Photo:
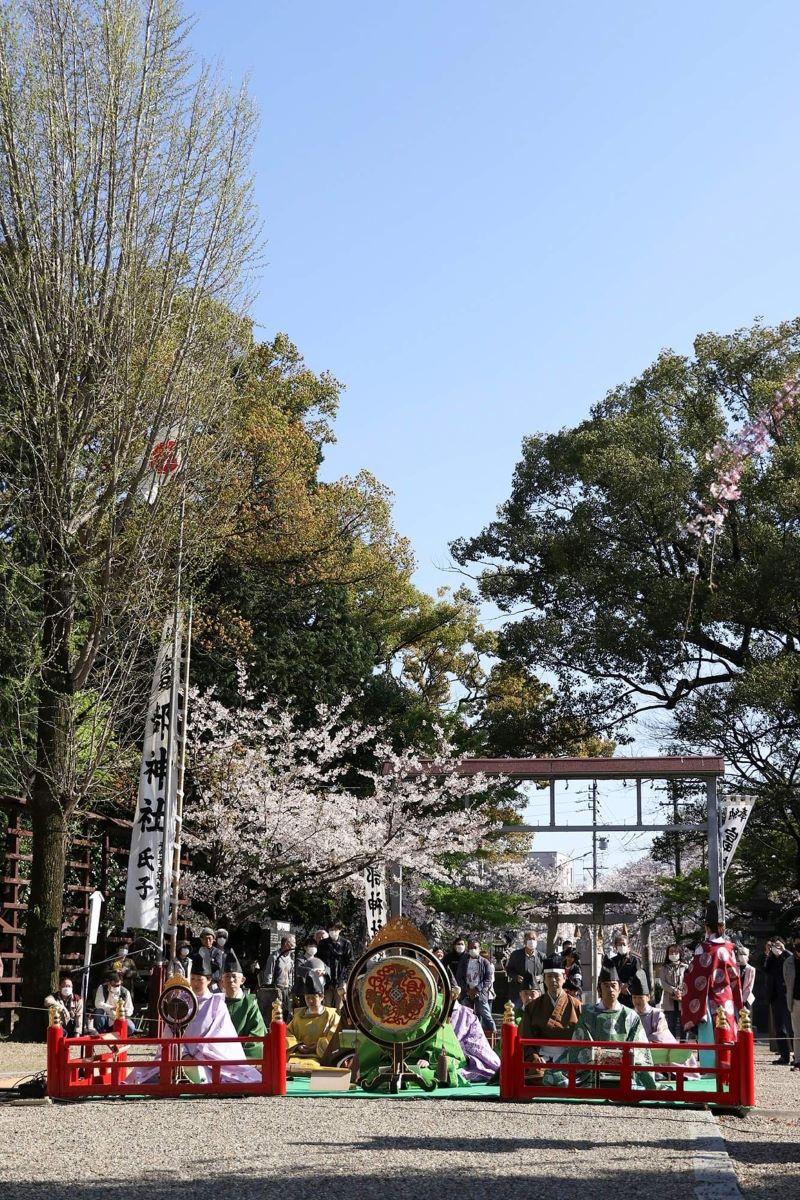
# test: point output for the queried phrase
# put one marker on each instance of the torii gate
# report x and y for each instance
(709, 769)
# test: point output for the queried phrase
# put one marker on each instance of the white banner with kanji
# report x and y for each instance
(734, 818)
(149, 845)
(375, 898)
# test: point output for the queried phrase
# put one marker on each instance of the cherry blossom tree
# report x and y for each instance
(277, 807)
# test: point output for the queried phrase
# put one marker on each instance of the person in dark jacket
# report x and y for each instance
(626, 964)
(775, 955)
(475, 977)
(309, 963)
(525, 958)
(573, 981)
(336, 952)
(457, 952)
(212, 956)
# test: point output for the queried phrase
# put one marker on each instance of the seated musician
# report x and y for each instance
(482, 1063)
(610, 1021)
(242, 1006)
(437, 1062)
(654, 1021)
(211, 1020)
(555, 1013)
(311, 1028)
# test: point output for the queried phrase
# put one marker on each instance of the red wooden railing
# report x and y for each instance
(78, 1068)
(733, 1072)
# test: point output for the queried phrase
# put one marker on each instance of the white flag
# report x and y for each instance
(735, 817)
(375, 893)
(153, 833)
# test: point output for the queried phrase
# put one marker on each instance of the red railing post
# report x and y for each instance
(510, 1052)
(745, 1054)
(55, 1041)
(275, 1058)
(724, 1038)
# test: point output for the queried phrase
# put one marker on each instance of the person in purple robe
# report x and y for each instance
(482, 1062)
(211, 1020)
(654, 1021)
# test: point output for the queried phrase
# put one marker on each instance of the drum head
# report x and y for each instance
(176, 1006)
(397, 996)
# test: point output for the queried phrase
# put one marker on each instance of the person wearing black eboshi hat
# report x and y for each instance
(311, 1028)
(553, 1014)
(242, 1006)
(610, 1021)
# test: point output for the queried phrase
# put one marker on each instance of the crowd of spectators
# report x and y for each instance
(325, 957)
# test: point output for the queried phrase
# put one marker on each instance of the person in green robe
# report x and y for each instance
(610, 1021)
(242, 1006)
(439, 1060)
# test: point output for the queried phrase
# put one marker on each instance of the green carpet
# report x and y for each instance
(476, 1091)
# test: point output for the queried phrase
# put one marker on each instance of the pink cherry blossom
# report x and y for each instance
(278, 806)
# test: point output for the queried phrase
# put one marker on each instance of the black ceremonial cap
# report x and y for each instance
(553, 962)
(231, 962)
(608, 974)
(313, 985)
(639, 985)
(199, 967)
(712, 915)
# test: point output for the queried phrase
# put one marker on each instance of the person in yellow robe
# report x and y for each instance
(310, 1030)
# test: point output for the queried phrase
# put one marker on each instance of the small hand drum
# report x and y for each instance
(177, 1004)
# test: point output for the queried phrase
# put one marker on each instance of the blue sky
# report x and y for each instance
(480, 216)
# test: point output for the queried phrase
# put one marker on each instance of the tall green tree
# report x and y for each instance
(126, 238)
(624, 606)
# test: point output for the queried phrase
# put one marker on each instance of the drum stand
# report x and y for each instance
(400, 1071)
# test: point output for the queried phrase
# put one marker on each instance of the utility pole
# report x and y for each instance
(677, 836)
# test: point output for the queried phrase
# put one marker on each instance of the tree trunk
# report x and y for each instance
(42, 945)
(49, 807)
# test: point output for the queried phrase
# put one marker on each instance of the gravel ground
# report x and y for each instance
(298, 1149)
(765, 1145)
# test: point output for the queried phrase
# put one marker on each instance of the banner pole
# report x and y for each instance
(164, 887)
(176, 861)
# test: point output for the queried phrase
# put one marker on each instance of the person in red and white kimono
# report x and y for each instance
(711, 982)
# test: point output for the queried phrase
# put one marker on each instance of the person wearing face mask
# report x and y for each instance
(309, 963)
(526, 958)
(672, 973)
(106, 1001)
(336, 952)
(212, 956)
(278, 975)
(626, 964)
(791, 979)
(775, 955)
(475, 977)
(454, 956)
(747, 974)
(181, 964)
(69, 1005)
